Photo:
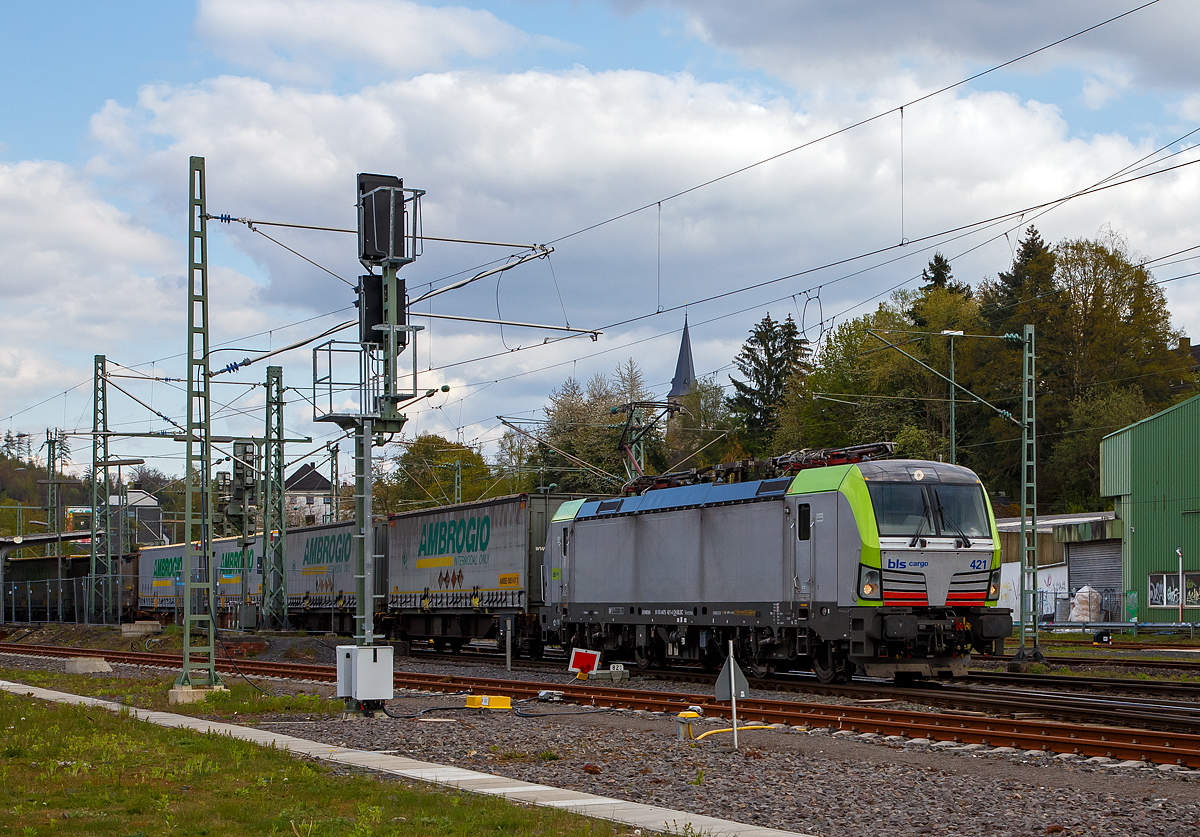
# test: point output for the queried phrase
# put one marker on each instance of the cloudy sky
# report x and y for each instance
(533, 122)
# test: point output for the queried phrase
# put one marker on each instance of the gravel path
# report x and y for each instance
(811, 782)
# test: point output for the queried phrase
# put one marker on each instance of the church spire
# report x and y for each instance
(685, 372)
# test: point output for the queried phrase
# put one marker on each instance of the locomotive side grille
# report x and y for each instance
(904, 589)
(969, 588)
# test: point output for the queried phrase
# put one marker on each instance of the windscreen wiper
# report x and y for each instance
(924, 519)
(950, 521)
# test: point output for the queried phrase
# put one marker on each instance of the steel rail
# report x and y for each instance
(1111, 662)
(1084, 740)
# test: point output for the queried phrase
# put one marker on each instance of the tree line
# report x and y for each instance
(1107, 356)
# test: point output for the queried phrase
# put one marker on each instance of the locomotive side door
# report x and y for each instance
(800, 532)
(560, 565)
(822, 546)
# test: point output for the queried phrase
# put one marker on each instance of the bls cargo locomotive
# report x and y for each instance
(889, 567)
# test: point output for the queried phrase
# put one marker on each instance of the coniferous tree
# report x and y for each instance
(773, 356)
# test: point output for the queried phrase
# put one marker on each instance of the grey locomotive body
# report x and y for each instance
(791, 570)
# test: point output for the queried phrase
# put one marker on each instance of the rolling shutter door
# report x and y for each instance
(1096, 564)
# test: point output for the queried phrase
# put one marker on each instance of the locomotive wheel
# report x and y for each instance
(823, 668)
(642, 657)
(830, 667)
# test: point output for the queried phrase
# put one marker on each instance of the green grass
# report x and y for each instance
(242, 701)
(87, 771)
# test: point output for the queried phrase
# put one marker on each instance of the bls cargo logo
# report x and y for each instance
(897, 564)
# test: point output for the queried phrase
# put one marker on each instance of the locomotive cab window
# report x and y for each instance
(907, 509)
(566, 536)
(803, 522)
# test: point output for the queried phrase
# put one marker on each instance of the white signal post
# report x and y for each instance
(1179, 553)
(733, 695)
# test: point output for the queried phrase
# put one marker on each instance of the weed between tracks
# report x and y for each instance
(90, 772)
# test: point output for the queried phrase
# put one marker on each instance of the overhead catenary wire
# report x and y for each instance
(233, 367)
(857, 124)
(963, 228)
(1031, 53)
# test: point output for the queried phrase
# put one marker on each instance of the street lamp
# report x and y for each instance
(953, 394)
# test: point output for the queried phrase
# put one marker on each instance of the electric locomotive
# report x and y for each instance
(890, 567)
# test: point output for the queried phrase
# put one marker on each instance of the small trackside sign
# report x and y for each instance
(584, 660)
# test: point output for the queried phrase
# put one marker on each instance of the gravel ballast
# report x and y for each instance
(809, 781)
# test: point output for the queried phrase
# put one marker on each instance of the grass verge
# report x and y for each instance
(241, 702)
(91, 772)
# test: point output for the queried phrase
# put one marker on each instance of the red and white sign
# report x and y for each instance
(584, 660)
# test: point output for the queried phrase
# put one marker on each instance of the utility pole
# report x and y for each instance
(457, 481)
(274, 593)
(199, 574)
(388, 223)
(99, 597)
(52, 466)
(53, 451)
(953, 393)
(335, 492)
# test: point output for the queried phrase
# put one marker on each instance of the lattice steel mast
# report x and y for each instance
(274, 593)
(100, 606)
(199, 572)
(1029, 559)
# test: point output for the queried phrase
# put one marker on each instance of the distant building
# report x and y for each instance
(1151, 469)
(143, 521)
(307, 497)
(1193, 366)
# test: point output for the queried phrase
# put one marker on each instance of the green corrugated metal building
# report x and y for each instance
(1152, 471)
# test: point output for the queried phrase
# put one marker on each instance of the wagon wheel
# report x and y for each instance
(642, 657)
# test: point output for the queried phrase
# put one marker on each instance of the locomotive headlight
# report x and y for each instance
(994, 586)
(869, 583)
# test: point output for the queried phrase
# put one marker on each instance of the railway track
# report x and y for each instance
(1164, 747)
(1024, 695)
(1109, 662)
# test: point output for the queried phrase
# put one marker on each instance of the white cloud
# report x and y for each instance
(840, 46)
(1188, 108)
(1100, 90)
(530, 156)
(305, 40)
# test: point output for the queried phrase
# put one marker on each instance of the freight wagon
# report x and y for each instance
(457, 573)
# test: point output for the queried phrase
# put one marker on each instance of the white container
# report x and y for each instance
(365, 673)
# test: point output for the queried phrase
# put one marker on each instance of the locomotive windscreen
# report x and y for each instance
(907, 509)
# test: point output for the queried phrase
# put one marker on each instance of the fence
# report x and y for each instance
(48, 600)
